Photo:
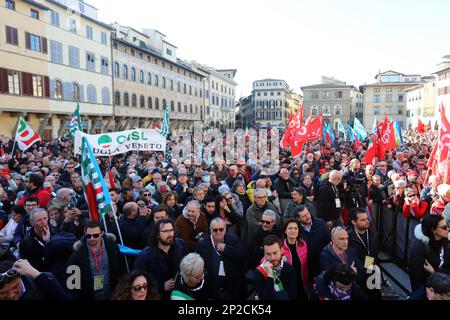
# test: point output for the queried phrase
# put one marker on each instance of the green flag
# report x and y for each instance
(75, 122)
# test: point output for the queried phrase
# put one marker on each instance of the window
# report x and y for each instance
(104, 38)
(89, 32)
(157, 103)
(117, 98)
(36, 43)
(10, 4)
(142, 102)
(338, 94)
(337, 110)
(171, 84)
(201, 93)
(179, 106)
(56, 53)
(11, 36)
(400, 110)
(116, 70)
(376, 90)
(400, 98)
(124, 72)
(55, 18)
(149, 78)
(190, 108)
(172, 106)
(315, 110)
(74, 57)
(106, 98)
(376, 110)
(34, 14)
(388, 89)
(133, 74)
(58, 90)
(13, 82)
(90, 61)
(73, 26)
(389, 98)
(37, 86)
(164, 103)
(196, 109)
(141, 76)
(156, 80)
(75, 92)
(376, 98)
(185, 108)
(168, 52)
(184, 88)
(134, 100)
(164, 82)
(326, 110)
(178, 87)
(150, 103)
(91, 94)
(126, 99)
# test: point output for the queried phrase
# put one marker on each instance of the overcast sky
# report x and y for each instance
(296, 40)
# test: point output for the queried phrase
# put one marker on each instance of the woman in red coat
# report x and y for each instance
(413, 206)
(295, 252)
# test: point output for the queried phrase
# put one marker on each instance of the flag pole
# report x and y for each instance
(120, 235)
(14, 144)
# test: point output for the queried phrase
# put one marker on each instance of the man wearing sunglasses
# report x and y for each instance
(225, 256)
(97, 256)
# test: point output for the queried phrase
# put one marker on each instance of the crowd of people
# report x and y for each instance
(304, 230)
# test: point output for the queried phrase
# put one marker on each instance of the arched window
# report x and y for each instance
(126, 99)
(117, 98)
(201, 93)
(190, 90)
(91, 94)
(184, 88)
(185, 108)
(75, 91)
(337, 110)
(326, 110)
(190, 108)
(156, 80)
(149, 78)
(133, 74)
(157, 103)
(141, 76)
(172, 106)
(125, 72)
(58, 90)
(150, 103)
(314, 110)
(171, 84)
(106, 98)
(116, 69)
(134, 100)
(196, 109)
(164, 82)
(178, 87)
(142, 102)
(179, 106)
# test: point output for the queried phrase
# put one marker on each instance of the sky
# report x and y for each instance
(296, 40)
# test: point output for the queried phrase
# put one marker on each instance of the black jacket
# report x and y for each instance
(284, 188)
(234, 260)
(317, 238)
(361, 251)
(326, 202)
(32, 248)
(323, 292)
(265, 286)
(80, 258)
(133, 232)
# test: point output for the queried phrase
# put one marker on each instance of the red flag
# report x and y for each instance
(294, 124)
(383, 125)
(357, 143)
(388, 138)
(444, 145)
(291, 115)
(420, 127)
(431, 165)
(315, 129)
(370, 154)
(299, 138)
(112, 184)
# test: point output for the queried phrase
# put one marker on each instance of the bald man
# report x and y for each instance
(330, 200)
(338, 252)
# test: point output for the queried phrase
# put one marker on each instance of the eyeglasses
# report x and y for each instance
(336, 229)
(228, 199)
(138, 288)
(443, 227)
(217, 230)
(94, 235)
(411, 195)
(266, 222)
(11, 273)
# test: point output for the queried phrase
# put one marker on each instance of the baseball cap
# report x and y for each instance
(137, 179)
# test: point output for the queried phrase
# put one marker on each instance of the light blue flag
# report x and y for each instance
(342, 129)
(351, 132)
(359, 129)
(398, 133)
(330, 131)
(374, 126)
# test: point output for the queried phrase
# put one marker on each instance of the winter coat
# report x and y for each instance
(302, 252)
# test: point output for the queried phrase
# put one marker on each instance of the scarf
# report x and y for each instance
(339, 294)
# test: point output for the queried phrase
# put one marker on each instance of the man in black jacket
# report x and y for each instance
(225, 258)
(97, 257)
(275, 279)
(163, 256)
(329, 200)
(284, 186)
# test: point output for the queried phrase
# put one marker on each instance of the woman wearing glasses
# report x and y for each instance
(137, 285)
(413, 206)
(430, 251)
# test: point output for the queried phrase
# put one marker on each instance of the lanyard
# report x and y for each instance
(335, 191)
(363, 243)
(98, 260)
(441, 257)
(214, 246)
(338, 255)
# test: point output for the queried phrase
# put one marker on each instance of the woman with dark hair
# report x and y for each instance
(430, 252)
(226, 212)
(339, 284)
(170, 199)
(240, 190)
(295, 250)
(136, 285)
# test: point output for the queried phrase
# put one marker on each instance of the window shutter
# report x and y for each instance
(67, 91)
(81, 93)
(3, 80)
(9, 35)
(46, 87)
(52, 89)
(44, 45)
(15, 37)
(27, 84)
(28, 40)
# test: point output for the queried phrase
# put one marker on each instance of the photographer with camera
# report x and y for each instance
(191, 225)
(355, 190)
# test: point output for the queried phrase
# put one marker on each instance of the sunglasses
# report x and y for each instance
(138, 288)
(217, 230)
(411, 195)
(266, 222)
(94, 235)
(8, 275)
(443, 227)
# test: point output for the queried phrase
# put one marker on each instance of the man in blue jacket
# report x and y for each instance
(163, 256)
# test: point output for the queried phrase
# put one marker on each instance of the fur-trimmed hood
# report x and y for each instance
(420, 236)
(79, 244)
